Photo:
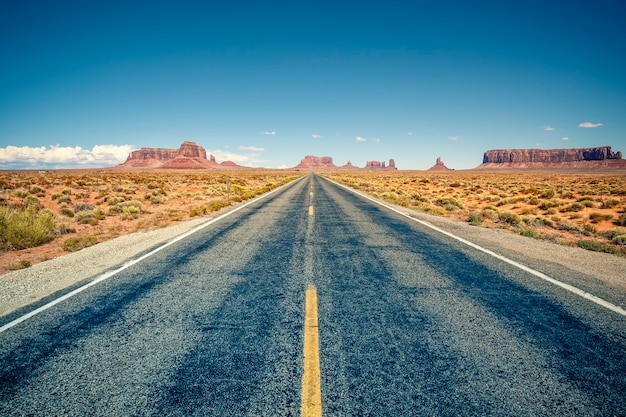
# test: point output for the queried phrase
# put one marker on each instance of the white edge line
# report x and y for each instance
(132, 262)
(600, 301)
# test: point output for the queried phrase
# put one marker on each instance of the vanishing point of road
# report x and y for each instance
(314, 300)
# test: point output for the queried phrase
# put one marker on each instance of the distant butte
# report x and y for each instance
(188, 157)
(576, 158)
(312, 162)
(439, 166)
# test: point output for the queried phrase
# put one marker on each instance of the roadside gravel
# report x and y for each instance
(22, 287)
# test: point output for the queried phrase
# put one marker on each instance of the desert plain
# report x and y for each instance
(44, 215)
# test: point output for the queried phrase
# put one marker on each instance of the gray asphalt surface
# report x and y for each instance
(411, 323)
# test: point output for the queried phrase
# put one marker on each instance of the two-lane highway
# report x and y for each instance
(404, 321)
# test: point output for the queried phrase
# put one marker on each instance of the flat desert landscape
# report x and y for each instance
(44, 215)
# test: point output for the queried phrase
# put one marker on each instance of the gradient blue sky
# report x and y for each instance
(266, 83)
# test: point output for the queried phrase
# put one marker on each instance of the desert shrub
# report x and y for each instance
(546, 205)
(83, 207)
(22, 264)
(589, 230)
(390, 197)
(248, 195)
(616, 231)
(37, 190)
(113, 200)
(619, 240)
(529, 233)
(157, 199)
(538, 221)
(547, 194)
(66, 211)
(128, 209)
(113, 210)
(490, 213)
(534, 201)
(475, 218)
(509, 218)
(610, 203)
(529, 210)
(598, 217)
(568, 227)
(545, 221)
(64, 199)
(74, 244)
(25, 228)
(492, 198)
(130, 213)
(89, 216)
(197, 211)
(504, 202)
(31, 200)
(449, 203)
(592, 245)
(621, 220)
(216, 205)
(575, 207)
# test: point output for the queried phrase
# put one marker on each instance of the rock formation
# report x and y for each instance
(439, 166)
(188, 156)
(593, 158)
(316, 162)
(378, 165)
(326, 162)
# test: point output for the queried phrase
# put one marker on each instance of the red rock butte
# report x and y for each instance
(576, 158)
(439, 166)
(189, 156)
(313, 163)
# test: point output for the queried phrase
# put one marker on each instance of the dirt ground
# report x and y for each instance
(565, 208)
(560, 207)
(106, 204)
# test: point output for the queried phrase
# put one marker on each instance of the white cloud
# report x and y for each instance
(565, 138)
(251, 148)
(548, 128)
(590, 125)
(377, 140)
(453, 137)
(315, 136)
(360, 139)
(410, 133)
(26, 157)
(270, 133)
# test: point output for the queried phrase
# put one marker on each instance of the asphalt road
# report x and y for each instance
(411, 322)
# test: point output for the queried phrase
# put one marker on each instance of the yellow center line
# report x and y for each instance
(310, 210)
(311, 379)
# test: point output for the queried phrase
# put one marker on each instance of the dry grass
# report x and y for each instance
(101, 205)
(585, 210)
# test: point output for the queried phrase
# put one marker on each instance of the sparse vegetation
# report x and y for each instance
(74, 244)
(555, 207)
(35, 209)
(22, 228)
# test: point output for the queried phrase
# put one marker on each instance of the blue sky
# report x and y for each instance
(266, 83)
